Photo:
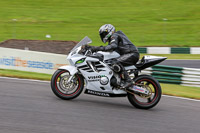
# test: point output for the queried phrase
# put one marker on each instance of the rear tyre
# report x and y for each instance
(65, 90)
(146, 102)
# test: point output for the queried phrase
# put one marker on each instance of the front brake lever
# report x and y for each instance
(88, 52)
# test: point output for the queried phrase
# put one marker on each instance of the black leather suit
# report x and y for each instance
(129, 54)
(120, 43)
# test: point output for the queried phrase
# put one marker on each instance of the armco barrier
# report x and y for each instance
(169, 50)
(175, 75)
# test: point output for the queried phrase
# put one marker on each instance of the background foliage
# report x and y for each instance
(146, 22)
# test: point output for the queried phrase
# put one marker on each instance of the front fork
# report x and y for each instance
(70, 78)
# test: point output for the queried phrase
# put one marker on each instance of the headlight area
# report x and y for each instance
(71, 62)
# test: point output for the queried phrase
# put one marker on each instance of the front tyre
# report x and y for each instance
(146, 102)
(62, 88)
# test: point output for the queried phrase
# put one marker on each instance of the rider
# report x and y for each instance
(119, 42)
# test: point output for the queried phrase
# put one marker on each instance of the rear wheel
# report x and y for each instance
(63, 89)
(146, 101)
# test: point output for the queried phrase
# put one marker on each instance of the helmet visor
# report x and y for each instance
(102, 35)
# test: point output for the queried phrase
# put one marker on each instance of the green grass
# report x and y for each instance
(142, 21)
(182, 91)
(24, 74)
(169, 89)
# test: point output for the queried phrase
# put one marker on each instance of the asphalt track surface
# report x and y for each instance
(182, 63)
(30, 107)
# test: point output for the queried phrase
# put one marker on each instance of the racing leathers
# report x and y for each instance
(129, 54)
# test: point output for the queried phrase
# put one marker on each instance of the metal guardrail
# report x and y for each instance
(175, 75)
(169, 50)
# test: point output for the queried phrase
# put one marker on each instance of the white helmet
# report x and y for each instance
(106, 31)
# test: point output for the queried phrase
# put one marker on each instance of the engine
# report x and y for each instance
(114, 82)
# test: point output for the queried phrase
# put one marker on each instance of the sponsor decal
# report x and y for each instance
(97, 93)
(104, 80)
(138, 88)
(95, 78)
(18, 62)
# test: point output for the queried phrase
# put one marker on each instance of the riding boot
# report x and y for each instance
(118, 67)
(127, 80)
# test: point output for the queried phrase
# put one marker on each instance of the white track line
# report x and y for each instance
(33, 80)
(182, 98)
(49, 82)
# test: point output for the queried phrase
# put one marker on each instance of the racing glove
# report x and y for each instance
(95, 49)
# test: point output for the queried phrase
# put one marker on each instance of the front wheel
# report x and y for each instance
(64, 89)
(142, 101)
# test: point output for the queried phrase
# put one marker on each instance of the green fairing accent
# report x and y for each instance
(80, 61)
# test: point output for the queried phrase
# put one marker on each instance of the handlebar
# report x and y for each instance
(85, 50)
(88, 52)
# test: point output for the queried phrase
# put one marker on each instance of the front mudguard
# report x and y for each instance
(71, 69)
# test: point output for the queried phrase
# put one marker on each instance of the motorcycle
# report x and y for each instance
(93, 73)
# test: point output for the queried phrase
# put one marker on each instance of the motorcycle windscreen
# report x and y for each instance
(84, 41)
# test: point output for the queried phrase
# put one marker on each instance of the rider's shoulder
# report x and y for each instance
(115, 35)
(118, 33)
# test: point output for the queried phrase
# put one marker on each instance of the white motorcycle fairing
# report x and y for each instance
(97, 77)
(97, 74)
(71, 69)
(96, 70)
(94, 73)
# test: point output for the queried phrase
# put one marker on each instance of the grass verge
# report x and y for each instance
(182, 91)
(168, 89)
(145, 22)
(23, 74)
